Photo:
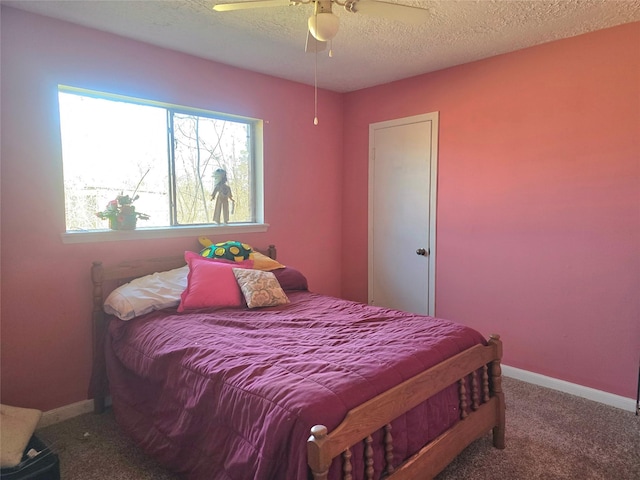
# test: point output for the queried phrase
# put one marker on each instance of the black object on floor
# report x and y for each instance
(43, 466)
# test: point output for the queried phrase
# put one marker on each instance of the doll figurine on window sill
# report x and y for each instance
(222, 196)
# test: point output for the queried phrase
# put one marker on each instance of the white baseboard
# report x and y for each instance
(599, 396)
(65, 413)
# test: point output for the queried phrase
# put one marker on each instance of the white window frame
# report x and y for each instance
(146, 233)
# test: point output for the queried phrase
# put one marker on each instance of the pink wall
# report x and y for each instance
(538, 223)
(46, 299)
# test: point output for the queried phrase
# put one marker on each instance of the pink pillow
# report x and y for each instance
(211, 283)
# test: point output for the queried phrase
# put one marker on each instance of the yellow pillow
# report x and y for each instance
(264, 263)
(18, 425)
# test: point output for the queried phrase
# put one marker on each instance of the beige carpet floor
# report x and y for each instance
(550, 436)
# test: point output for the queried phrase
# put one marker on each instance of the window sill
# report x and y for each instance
(93, 236)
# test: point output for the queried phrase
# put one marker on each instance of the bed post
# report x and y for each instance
(496, 388)
(316, 455)
(98, 375)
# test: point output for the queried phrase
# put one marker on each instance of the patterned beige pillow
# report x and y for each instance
(260, 288)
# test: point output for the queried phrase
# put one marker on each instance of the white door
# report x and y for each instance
(402, 208)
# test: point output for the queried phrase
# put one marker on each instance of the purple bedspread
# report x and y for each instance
(233, 393)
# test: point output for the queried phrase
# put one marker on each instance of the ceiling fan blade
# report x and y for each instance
(314, 45)
(226, 7)
(394, 11)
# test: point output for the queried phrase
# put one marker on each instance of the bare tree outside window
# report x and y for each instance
(203, 145)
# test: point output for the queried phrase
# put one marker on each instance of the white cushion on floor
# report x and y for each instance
(16, 428)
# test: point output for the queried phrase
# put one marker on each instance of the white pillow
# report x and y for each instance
(145, 294)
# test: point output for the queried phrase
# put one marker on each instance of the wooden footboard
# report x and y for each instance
(481, 410)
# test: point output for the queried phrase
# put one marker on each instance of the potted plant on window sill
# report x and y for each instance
(122, 214)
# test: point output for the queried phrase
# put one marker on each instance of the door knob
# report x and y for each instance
(423, 252)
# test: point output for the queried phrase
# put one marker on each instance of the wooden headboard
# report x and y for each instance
(114, 276)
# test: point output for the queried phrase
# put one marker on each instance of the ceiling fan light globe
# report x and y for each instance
(324, 26)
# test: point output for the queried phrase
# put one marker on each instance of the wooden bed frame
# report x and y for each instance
(481, 410)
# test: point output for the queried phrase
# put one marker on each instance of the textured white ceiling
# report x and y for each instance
(367, 51)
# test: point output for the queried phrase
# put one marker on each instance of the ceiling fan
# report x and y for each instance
(323, 23)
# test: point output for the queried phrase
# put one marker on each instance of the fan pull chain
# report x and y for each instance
(315, 87)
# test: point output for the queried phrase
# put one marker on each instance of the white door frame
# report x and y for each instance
(433, 117)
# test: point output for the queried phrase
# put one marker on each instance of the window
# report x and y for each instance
(163, 157)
